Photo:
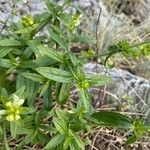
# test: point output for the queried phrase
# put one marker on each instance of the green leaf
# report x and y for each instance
(61, 41)
(42, 138)
(113, 119)
(139, 127)
(74, 146)
(31, 88)
(58, 30)
(4, 92)
(67, 2)
(53, 54)
(79, 142)
(6, 63)
(4, 51)
(13, 129)
(33, 45)
(84, 38)
(44, 88)
(5, 146)
(44, 61)
(31, 91)
(66, 18)
(131, 139)
(9, 42)
(55, 74)
(1, 133)
(47, 96)
(55, 141)
(27, 53)
(20, 91)
(27, 110)
(85, 100)
(4, 99)
(20, 81)
(34, 77)
(67, 142)
(52, 7)
(60, 126)
(75, 61)
(98, 80)
(62, 116)
(2, 79)
(64, 93)
(11, 70)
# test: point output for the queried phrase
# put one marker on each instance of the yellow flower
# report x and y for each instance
(17, 117)
(12, 111)
(10, 117)
(27, 20)
(9, 104)
(83, 85)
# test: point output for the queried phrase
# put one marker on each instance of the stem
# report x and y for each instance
(6, 146)
(142, 43)
(70, 41)
(97, 26)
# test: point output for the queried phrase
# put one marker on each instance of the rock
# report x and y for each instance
(126, 89)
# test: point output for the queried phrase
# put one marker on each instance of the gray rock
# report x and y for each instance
(126, 89)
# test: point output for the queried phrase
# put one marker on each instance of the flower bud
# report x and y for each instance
(10, 117)
(85, 84)
(17, 117)
(27, 20)
(17, 112)
(8, 104)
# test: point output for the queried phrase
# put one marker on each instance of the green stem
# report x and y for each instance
(6, 146)
(142, 43)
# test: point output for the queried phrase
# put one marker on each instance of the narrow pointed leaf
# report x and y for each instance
(13, 129)
(55, 74)
(9, 42)
(4, 51)
(60, 126)
(113, 119)
(79, 142)
(98, 80)
(61, 41)
(85, 99)
(53, 54)
(6, 63)
(34, 77)
(64, 93)
(55, 141)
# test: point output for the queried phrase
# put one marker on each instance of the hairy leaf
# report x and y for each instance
(9, 42)
(113, 119)
(58, 56)
(98, 80)
(55, 74)
(34, 77)
(4, 51)
(55, 141)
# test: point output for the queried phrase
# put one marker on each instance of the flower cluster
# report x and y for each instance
(83, 84)
(13, 109)
(76, 20)
(27, 21)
